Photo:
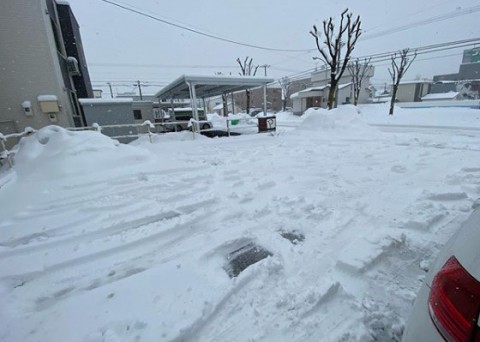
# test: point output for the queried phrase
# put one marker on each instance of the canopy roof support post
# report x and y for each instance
(193, 100)
(204, 106)
(172, 113)
(265, 100)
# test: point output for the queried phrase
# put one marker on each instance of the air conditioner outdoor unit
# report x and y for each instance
(72, 66)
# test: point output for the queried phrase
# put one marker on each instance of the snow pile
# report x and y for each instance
(287, 117)
(344, 120)
(167, 137)
(56, 152)
(265, 237)
(216, 120)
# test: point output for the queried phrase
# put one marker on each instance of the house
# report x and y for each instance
(317, 94)
(413, 91)
(43, 66)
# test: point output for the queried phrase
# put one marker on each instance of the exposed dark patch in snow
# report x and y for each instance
(243, 257)
(448, 196)
(293, 236)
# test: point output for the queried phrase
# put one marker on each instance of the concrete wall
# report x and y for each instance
(29, 65)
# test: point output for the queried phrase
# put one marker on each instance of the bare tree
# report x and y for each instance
(335, 43)
(248, 69)
(398, 70)
(358, 72)
(285, 83)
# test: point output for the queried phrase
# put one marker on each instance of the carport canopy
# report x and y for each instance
(209, 86)
(194, 87)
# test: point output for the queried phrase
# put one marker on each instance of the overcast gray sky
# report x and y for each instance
(121, 46)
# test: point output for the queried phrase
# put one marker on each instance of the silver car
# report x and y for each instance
(447, 307)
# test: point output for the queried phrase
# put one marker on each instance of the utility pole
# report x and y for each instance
(265, 66)
(140, 90)
(111, 91)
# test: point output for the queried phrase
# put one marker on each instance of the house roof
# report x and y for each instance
(306, 92)
(208, 86)
(416, 81)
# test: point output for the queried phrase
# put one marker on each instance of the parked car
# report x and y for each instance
(178, 119)
(447, 307)
(255, 111)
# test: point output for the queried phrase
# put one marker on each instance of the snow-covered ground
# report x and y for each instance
(107, 242)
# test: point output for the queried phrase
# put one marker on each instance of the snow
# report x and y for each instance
(103, 101)
(101, 241)
(43, 98)
(441, 96)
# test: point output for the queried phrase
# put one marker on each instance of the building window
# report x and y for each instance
(137, 114)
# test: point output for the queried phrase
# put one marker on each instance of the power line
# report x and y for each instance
(200, 32)
(427, 21)
(412, 14)
(386, 56)
(184, 66)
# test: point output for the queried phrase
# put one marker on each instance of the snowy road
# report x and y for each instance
(104, 243)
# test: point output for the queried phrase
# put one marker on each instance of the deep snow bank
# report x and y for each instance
(344, 120)
(56, 152)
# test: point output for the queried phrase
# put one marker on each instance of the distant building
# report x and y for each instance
(110, 111)
(43, 67)
(413, 91)
(274, 98)
(466, 82)
(316, 94)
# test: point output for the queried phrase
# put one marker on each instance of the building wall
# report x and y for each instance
(274, 98)
(32, 63)
(111, 113)
(412, 92)
(406, 92)
(146, 109)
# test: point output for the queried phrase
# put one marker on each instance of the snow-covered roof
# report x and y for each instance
(42, 98)
(341, 86)
(441, 96)
(104, 101)
(305, 92)
(308, 90)
(416, 81)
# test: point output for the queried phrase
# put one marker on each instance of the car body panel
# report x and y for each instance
(465, 246)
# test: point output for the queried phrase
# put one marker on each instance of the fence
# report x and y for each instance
(150, 129)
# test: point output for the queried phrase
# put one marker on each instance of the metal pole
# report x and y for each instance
(140, 90)
(173, 113)
(193, 101)
(111, 91)
(265, 100)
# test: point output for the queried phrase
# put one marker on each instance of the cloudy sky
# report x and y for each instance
(122, 47)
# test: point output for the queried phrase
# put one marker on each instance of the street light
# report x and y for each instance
(324, 65)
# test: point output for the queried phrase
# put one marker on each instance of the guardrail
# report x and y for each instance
(5, 154)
